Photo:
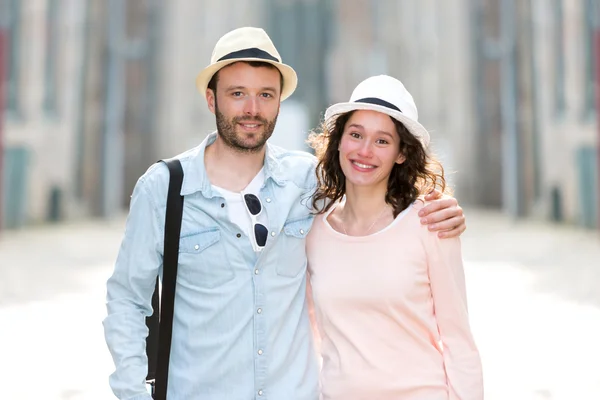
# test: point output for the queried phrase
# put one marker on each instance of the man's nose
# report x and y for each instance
(252, 106)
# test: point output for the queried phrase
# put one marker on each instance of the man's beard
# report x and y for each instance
(227, 131)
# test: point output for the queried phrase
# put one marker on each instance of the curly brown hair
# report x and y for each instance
(419, 174)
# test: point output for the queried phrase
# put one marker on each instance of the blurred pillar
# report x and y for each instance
(532, 77)
(510, 143)
(150, 105)
(316, 40)
(596, 55)
(487, 82)
(478, 84)
(301, 30)
(112, 137)
(3, 62)
(527, 140)
(82, 71)
(140, 54)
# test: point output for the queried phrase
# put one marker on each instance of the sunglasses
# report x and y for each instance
(254, 207)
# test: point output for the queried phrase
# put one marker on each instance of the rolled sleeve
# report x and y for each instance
(129, 293)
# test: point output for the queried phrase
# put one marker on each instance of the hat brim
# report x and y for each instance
(290, 79)
(415, 128)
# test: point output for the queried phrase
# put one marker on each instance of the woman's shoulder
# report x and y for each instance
(429, 238)
(411, 213)
(413, 220)
(318, 224)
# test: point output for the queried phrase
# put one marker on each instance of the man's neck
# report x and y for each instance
(230, 169)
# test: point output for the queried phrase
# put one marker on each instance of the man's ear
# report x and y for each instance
(211, 99)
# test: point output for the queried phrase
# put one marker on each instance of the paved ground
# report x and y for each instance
(535, 308)
(533, 295)
(51, 310)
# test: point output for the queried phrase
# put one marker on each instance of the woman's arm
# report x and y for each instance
(312, 316)
(461, 357)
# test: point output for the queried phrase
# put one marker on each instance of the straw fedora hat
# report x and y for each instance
(247, 44)
(387, 95)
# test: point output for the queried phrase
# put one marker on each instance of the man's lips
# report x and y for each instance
(250, 126)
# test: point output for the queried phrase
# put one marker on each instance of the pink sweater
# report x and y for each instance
(391, 314)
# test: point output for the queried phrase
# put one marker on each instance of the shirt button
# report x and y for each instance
(268, 199)
(196, 247)
(259, 311)
(260, 352)
(239, 235)
(260, 392)
(222, 205)
(273, 233)
(256, 271)
(302, 231)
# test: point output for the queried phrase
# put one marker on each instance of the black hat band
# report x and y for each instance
(379, 102)
(249, 53)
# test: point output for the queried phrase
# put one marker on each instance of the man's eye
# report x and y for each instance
(267, 95)
(237, 94)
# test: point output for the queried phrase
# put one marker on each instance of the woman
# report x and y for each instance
(390, 307)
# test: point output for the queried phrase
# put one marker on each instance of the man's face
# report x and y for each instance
(246, 105)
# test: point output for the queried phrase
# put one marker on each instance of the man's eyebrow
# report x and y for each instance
(270, 88)
(235, 88)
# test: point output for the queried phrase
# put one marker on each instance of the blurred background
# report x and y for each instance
(97, 90)
(92, 92)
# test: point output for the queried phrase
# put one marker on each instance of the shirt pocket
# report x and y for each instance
(202, 261)
(292, 259)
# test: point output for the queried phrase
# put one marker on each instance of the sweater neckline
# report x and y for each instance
(395, 222)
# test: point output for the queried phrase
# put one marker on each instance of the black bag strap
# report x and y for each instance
(160, 324)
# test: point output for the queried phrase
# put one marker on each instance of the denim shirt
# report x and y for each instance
(241, 328)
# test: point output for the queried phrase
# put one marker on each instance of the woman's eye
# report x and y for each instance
(355, 135)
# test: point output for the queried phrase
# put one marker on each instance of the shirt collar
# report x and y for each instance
(195, 178)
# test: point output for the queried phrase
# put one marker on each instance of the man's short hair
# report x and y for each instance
(212, 84)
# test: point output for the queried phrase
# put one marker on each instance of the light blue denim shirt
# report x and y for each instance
(241, 329)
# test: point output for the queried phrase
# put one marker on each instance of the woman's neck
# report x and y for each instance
(365, 208)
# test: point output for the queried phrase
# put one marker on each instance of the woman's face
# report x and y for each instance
(369, 149)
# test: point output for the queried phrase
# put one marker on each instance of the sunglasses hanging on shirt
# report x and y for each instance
(260, 232)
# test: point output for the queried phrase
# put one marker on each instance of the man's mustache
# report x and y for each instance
(250, 119)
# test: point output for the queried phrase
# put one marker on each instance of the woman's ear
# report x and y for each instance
(400, 159)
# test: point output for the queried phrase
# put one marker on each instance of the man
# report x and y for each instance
(240, 327)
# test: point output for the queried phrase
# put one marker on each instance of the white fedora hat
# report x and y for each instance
(387, 95)
(247, 44)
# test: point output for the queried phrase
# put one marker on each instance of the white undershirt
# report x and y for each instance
(238, 214)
